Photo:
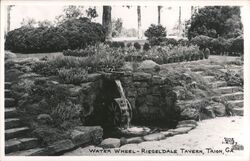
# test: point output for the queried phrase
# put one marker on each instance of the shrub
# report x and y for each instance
(155, 34)
(129, 44)
(66, 111)
(169, 41)
(117, 44)
(31, 40)
(237, 45)
(81, 32)
(146, 47)
(88, 51)
(206, 53)
(202, 41)
(72, 75)
(137, 46)
(74, 33)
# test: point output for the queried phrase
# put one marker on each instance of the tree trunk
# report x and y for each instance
(8, 17)
(179, 23)
(139, 22)
(159, 14)
(106, 21)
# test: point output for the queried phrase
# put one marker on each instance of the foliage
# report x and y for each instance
(206, 53)
(155, 34)
(216, 21)
(146, 47)
(137, 46)
(90, 50)
(66, 111)
(116, 44)
(232, 78)
(233, 46)
(117, 27)
(72, 34)
(72, 75)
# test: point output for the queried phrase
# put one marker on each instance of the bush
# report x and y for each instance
(237, 45)
(169, 41)
(116, 44)
(155, 34)
(88, 51)
(31, 40)
(72, 75)
(206, 53)
(202, 41)
(137, 46)
(146, 47)
(72, 34)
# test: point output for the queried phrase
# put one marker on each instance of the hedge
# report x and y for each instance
(72, 34)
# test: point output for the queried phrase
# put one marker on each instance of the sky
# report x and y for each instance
(169, 15)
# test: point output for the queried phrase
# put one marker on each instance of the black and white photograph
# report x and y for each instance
(124, 79)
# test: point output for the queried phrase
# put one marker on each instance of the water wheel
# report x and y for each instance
(114, 114)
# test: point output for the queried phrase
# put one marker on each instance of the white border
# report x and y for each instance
(246, 25)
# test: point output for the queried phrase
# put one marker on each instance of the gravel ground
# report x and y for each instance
(208, 134)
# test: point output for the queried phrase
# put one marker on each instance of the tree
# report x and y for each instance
(45, 23)
(91, 13)
(29, 22)
(159, 14)
(139, 22)
(117, 27)
(106, 21)
(8, 16)
(216, 21)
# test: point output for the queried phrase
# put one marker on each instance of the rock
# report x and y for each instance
(59, 147)
(149, 65)
(190, 113)
(141, 76)
(29, 75)
(158, 80)
(188, 122)
(186, 125)
(93, 77)
(44, 119)
(219, 109)
(86, 87)
(128, 66)
(154, 137)
(9, 55)
(74, 91)
(84, 135)
(134, 140)
(110, 143)
(207, 113)
(167, 133)
(180, 130)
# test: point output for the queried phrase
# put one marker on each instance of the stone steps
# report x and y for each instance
(237, 103)
(16, 132)
(29, 152)
(199, 72)
(16, 144)
(227, 89)
(238, 111)
(12, 123)
(209, 78)
(218, 84)
(9, 102)
(234, 96)
(10, 112)
(7, 93)
(7, 85)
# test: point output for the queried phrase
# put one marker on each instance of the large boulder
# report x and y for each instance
(149, 65)
(154, 137)
(110, 143)
(9, 55)
(44, 119)
(84, 135)
(219, 109)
